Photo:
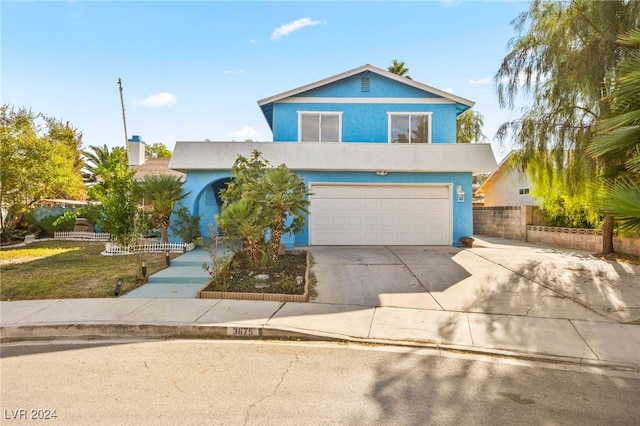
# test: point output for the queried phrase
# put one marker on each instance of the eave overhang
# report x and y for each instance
(357, 157)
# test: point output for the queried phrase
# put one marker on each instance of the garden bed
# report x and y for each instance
(284, 284)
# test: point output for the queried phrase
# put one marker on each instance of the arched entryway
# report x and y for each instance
(208, 204)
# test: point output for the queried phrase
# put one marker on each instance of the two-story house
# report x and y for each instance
(378, 152)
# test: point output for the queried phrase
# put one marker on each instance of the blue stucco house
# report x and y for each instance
(378, 152)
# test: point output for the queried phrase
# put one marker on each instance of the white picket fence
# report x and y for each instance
(149, 247)
(84, 236)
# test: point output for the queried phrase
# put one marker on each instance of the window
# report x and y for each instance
(319, 127)
(410, 128)
(523, 191)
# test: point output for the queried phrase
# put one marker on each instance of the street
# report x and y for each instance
(267, 382)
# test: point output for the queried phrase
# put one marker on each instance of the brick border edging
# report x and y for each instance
(271, 297)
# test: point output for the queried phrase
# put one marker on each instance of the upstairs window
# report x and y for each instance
(410, 127)
(523, 191)
(320, 127)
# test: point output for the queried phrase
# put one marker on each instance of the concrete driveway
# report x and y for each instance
(496, 277)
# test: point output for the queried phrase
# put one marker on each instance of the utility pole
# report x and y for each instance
(124, 119)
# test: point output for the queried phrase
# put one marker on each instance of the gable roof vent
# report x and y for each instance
(365, 84)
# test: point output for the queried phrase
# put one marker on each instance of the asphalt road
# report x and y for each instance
(289, 383)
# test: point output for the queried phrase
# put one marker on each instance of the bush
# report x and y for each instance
(47, 224)
(185, 225)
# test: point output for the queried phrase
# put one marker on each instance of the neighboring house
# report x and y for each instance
(508, 185)
(147, 167)
(377, 151)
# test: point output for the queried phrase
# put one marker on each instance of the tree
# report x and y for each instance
(260, 198)
(162, 192)
(619, 135)
(562, 63)
(469, 127)
(92, 158)
(279, 193)
(398, 68)
(116, 206)
(157, 150)
(39, 160)
(242, 220)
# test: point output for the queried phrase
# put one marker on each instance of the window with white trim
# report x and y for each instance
(410, 127)
(320, 126)
(523, 191)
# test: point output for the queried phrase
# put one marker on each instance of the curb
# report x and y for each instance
(96, 331)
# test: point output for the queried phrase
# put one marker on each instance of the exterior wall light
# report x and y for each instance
(460, 194)
(381, 173)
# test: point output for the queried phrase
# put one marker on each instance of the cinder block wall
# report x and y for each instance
(627, 245)
(581, 239)
(523, 224)
(508, 222)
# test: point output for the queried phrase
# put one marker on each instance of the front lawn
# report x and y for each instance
(69, 269)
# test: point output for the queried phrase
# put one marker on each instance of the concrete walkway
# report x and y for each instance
(183, 279)
(501, 297)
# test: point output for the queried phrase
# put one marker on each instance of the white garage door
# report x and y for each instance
(380, 215)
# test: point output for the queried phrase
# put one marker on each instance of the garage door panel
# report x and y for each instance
(380, 215)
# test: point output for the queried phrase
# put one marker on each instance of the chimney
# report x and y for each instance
(136, 151)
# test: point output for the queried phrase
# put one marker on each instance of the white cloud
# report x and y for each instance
(287, 29)
(247, 132)
(159, 100)
(480, 82)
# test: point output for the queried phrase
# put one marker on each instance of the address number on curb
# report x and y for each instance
(244, 332)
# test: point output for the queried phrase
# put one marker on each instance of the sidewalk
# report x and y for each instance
(597, 341)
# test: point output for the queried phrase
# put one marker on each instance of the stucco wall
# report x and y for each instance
(201, 200)
(504, 190)
(366, 121)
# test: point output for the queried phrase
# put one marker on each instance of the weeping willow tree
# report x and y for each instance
(559, 70)
(469, 127)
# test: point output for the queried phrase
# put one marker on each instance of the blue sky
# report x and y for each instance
(195, 70)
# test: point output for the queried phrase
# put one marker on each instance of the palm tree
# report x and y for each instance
(619, 137)
(398, 68)
(94, 157)
(162, 192)
(279, 193)
(241, 220)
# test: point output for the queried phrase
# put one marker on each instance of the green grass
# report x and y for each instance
(70, 269)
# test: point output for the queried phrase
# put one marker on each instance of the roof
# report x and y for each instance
(267, 104)
(354, 156)
(502, 167)
(155, 167)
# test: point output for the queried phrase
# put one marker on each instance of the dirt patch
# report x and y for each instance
(284, 277)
